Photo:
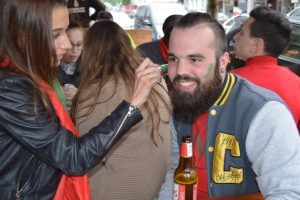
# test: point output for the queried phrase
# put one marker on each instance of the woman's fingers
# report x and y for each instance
(146, 77)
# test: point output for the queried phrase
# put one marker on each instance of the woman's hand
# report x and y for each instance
(146, 76)
(69, 91)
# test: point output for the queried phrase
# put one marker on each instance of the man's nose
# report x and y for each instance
(182, 68)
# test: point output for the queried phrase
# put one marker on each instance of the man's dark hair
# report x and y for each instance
(273, 27)
(168, 26)
(196, 18)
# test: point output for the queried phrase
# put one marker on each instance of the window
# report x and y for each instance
(293, 50)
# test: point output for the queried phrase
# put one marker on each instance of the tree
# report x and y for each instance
(118, 2)
(126, 2)
(212, 8)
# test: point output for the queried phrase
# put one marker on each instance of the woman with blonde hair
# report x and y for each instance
(136, 166)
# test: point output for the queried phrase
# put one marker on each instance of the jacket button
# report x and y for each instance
(213, 112)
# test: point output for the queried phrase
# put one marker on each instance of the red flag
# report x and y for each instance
(70, 187)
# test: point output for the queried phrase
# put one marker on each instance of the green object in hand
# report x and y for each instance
(163, 69)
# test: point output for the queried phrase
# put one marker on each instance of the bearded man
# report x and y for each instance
(244, 137)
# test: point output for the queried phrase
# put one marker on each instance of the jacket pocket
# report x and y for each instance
(25, 175)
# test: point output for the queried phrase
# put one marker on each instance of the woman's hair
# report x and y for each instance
(26, 40)
(107, 55)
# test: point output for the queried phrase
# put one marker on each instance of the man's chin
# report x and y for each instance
(186, 117)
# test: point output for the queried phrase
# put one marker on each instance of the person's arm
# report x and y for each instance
(166, 190)
(97, 5)
(42, 133)
(273, 148)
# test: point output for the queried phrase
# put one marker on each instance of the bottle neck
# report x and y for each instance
(185, 163)
(186, 155)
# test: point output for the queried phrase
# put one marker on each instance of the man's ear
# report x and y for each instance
(258, 46)
(224, 60)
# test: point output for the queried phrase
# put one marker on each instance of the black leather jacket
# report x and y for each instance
(36, 150)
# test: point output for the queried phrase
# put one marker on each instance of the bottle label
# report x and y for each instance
(180, 192)
(186, 150)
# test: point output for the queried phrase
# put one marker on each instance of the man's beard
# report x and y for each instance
(188, 106)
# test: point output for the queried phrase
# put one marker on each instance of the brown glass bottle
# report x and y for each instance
(185, 176)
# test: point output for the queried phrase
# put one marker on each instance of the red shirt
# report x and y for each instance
(199, 138)
(264, 72)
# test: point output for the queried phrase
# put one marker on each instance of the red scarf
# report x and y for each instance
(163, 49)
(70, 187)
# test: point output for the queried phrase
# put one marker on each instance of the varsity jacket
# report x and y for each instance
(252, 144)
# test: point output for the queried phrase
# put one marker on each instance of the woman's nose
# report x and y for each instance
(66, 44)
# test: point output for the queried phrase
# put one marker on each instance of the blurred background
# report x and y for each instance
(149, 15)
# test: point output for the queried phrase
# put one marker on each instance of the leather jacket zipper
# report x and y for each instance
(128, 114)
(19, 179)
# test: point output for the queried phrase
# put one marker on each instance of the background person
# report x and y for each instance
(255, 44)
(105, 15)
(68, 70)
(69, 66)
(39, 144)
(80, 11)
(244, 137)
(143, 156)
(157, 50)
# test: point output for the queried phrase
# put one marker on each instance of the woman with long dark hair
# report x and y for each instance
(41, 155)
(108, 65)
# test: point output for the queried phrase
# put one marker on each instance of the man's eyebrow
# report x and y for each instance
(171, 54)
(190, 56)
(196, 56)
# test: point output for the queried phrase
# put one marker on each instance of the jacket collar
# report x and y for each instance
(229, 82)
(262, 61)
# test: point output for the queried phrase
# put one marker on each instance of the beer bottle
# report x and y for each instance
(185, 176)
